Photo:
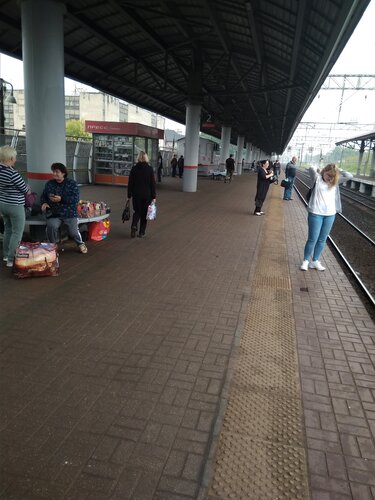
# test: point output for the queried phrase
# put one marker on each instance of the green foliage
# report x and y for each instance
(346, 158)
(76, 129)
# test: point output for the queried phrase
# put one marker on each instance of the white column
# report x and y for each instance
(189, 179)
(239, 156)
(225, 141)
(248, 152)
(43, 63)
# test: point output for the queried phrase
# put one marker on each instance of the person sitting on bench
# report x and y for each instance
(59, 202)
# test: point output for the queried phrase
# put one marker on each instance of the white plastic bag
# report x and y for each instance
(151, 211)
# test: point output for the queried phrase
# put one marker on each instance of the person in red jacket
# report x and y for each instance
(142, 188)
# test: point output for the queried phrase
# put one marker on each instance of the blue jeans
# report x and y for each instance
(319, 228)
(53, 226)
(14, 224)
(288, 191)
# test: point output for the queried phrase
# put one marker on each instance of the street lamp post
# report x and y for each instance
(4, 98)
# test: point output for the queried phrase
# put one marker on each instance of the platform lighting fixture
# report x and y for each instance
(5, 96)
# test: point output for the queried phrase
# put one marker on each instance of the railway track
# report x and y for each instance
(353, 240)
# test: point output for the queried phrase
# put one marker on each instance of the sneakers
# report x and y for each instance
(262, 213)
(5, 259)
(141, 235)
(133, 232)
(316, 265)
(257, 213)
(82, 248)
(304, 265)
(9, 263)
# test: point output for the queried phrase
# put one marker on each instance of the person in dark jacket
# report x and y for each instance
(59, 201)
(160, 167)
(180, 165)
(263, 185)
(142, 188)
(174, 165)
(290, 175)
(229, 165)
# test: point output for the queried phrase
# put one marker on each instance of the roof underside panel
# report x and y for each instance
(255, 65)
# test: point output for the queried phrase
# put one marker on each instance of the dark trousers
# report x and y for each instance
(160, 172)
(140, 206)
(258, 205)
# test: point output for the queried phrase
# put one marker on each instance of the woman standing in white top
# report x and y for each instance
(324, 203)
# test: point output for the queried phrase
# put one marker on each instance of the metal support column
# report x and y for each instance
(248, 152)
(225, 141)
(43, 62)
(360, 157)
(239, 156)
(189, 179)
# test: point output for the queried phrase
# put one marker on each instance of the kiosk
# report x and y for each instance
(116, 146)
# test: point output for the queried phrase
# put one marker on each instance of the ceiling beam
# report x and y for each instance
(129, 54)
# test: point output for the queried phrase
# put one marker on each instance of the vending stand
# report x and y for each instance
(116, 146)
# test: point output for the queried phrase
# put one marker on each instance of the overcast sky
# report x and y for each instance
(357, 58)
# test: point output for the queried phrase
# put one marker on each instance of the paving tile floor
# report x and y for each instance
(336, 350)
(114, 375)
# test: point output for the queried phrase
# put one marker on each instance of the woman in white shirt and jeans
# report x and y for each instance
(323, 205)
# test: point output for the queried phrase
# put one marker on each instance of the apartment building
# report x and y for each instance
(87, 106)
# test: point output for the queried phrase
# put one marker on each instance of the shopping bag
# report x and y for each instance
(99, 230)
(36, 259)
(126, 212)
(151, 211)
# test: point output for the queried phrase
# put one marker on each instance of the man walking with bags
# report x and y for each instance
(229, 164)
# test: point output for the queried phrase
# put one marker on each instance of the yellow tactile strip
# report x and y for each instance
(261, 450)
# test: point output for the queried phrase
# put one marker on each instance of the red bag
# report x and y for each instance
(99, 230)
(36, 259)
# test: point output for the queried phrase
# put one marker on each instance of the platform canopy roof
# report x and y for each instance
(253, 64)
(361, 141)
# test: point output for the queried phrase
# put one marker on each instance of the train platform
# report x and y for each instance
(198, 362)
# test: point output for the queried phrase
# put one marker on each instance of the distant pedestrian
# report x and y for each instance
(290, 175)
(276, 168)
(229, 164)
(174, 165)
(141, 187)
(180, 165)
(323, 205)
(160, 167)
(263, 185)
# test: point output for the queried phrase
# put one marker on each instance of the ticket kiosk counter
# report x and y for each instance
(116, 147)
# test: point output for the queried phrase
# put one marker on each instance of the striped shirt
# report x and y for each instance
(12, 187)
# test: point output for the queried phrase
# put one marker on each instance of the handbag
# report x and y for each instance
(126, 212)
(273, 179)
(30, 199)
(309, 192)
(285, 184)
